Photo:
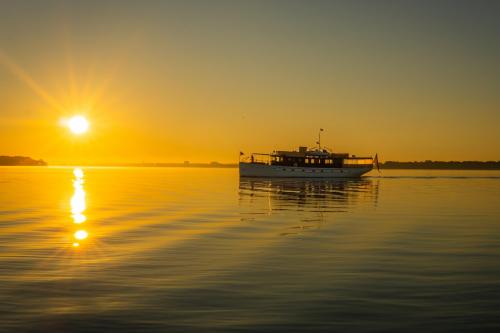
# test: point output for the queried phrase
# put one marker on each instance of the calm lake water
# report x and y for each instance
(199, 250)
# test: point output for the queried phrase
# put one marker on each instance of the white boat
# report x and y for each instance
(305, 163)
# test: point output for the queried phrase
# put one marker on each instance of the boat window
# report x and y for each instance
(358, 161)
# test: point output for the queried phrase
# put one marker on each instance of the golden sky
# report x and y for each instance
(168, 81)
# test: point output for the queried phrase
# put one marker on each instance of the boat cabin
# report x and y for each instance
(318, 158)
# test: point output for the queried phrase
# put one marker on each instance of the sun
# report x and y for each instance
(78, 124)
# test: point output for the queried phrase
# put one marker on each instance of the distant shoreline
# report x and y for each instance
(442, 165)
(159, 165)
(426, 165)
(20, 161)
(418, 165)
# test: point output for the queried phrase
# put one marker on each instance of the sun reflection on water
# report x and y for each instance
(81, 234)
(78, 205)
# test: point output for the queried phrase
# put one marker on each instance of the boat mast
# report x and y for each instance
(319, 138)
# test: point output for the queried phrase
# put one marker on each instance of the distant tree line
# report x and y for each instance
(20, 160)
(470, 165)
(463, 165)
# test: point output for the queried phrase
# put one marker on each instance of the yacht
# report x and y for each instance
(318, 162)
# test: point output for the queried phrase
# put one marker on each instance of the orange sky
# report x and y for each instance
(200, 81)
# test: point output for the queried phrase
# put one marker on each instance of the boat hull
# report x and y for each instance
(276, 171)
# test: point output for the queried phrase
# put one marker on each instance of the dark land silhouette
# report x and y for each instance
(458, 165)
(436, 165)
(21, 161)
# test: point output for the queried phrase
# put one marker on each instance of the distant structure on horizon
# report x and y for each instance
(20, 161)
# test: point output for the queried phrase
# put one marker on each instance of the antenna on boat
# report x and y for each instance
(319, 138)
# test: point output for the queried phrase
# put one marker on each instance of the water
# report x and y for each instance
(198, 250)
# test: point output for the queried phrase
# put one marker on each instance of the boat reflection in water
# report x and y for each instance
(78, 206)
(307, 202)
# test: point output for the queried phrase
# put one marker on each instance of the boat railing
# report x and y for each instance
(256, 158)
(269, 159)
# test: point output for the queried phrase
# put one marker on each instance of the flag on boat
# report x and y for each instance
(242, 153)
(375, 162)
(321, 129)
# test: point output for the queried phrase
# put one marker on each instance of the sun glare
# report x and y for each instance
(81, 234)
(78, 124)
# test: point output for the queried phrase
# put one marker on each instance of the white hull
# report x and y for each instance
(265, 170)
